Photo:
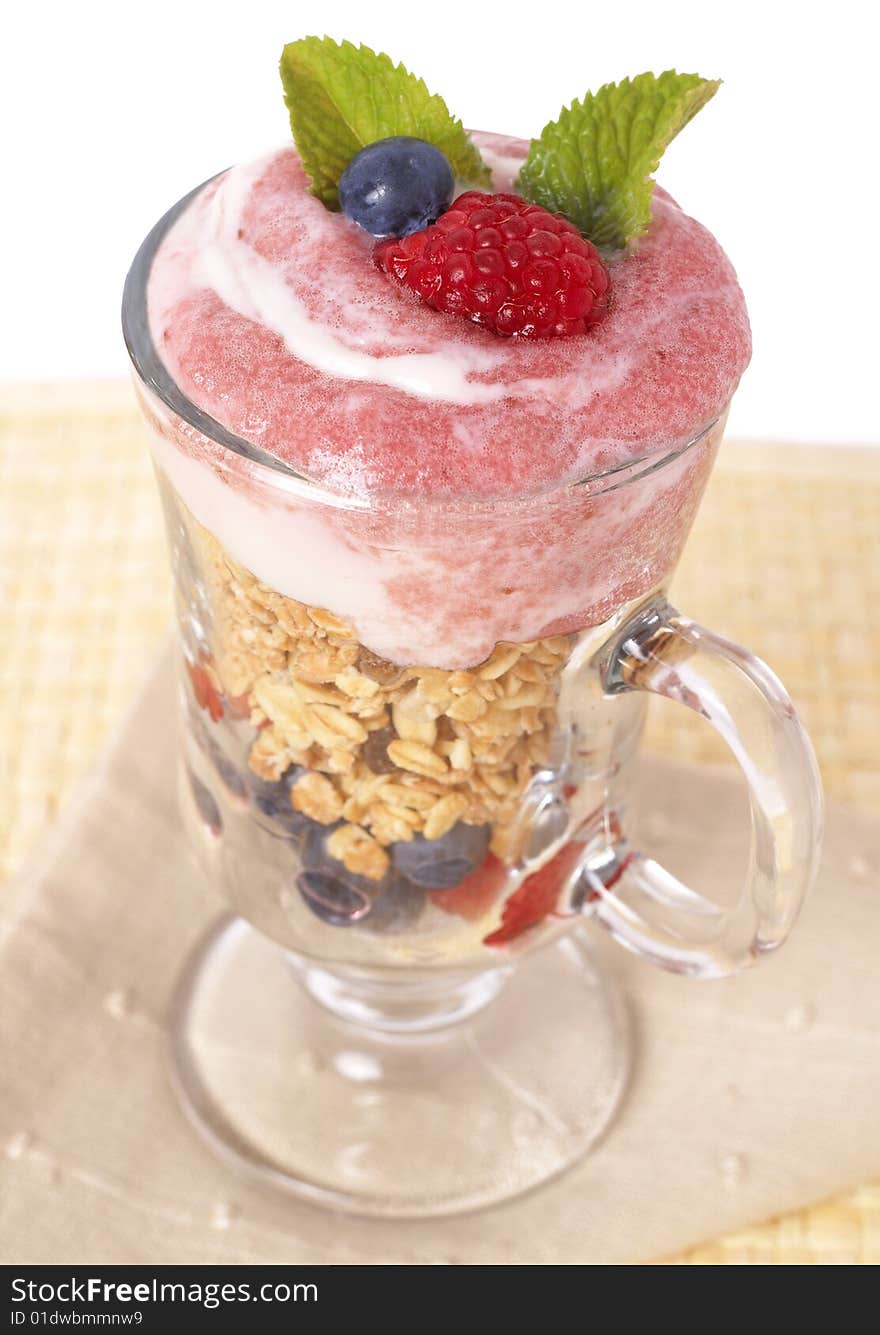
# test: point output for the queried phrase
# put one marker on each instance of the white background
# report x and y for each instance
(111, 111)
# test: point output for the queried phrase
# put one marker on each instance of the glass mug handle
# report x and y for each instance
(644, 907)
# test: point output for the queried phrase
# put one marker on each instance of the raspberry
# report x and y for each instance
(504, 263)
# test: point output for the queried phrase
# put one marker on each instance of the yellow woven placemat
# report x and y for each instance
(784, 557)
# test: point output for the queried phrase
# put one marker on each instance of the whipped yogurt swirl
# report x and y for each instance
(247, 283)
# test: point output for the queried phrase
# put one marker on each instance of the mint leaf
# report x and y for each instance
(342, 97)
(594, 163)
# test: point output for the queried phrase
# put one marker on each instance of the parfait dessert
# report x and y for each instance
(476, 402)
(431, 414)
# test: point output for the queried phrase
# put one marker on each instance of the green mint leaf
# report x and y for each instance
(342, 97)
(594, 163)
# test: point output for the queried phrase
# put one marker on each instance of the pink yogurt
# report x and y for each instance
(440, 513)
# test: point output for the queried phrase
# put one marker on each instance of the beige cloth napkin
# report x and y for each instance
(748, 1097)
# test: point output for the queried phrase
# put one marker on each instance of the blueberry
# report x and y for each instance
(273, 801)
(396, 908)
(333, 898)
(439, 864)
(335, 894)
(396, 186)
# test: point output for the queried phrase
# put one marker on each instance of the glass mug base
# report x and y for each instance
(322, 1086)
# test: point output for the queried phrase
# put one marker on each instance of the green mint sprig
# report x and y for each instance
(594, 163)
(342, 97)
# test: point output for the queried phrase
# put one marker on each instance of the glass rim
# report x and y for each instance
(155, 377)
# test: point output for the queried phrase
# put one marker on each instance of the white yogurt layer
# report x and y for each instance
(301, 550)
(247, 283)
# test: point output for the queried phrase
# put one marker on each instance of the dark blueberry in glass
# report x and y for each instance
(206, 806)
(339, 899)
(396, 186)
(334, 893)
(273, 800)
(396, 908)
(439, 864)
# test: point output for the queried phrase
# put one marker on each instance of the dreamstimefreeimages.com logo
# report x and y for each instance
(94, 1290)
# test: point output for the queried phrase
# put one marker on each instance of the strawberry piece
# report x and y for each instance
(536, 897)
(476, 894)
(205, 687)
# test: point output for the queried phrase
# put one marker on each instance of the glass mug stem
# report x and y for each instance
(642, 905)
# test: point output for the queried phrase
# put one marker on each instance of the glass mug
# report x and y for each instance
(401, 845)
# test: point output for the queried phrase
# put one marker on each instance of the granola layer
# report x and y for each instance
(386, 753)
